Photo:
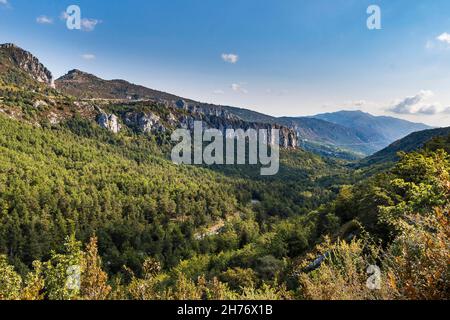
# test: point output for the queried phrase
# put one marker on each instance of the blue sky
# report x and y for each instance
(280, 57)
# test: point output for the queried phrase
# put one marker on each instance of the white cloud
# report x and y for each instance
(218, 91)
(64, 15)
(4, 2)
(238, 88)
(429, 45)
(230, 58)
(88, 56)
(43, 20)
(430, 109)
(89, 24)
(445, 37)
(415, 105)
(356, 103)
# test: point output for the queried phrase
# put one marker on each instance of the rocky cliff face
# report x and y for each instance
(109, 121)
(146, 122)
(220, 118)
(27, 62)
(183, 115)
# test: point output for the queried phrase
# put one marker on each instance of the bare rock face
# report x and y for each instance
(145, 122)
(28, 63)
(222, 119)
(287, 137)
(110, 122)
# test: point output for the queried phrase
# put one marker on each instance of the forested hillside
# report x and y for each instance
(148, 250)
(410, 143)
(89, 184)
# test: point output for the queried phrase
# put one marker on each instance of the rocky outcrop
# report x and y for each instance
(39, 104)
(207, 110)
(220, 118)
(146, 122)
(287, 138)
(28, 63)
(109, 121)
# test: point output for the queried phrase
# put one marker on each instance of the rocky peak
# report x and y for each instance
(144, 121)
(8, 46)
(27, 62)
(75, 73)
(77, 76)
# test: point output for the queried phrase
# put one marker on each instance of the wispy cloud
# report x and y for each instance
(64, 15)
(89, 24)
(416, 105)
(43, 20)
(88, 56)
(5, 3)
(238, 88)
(357, 103)
(218, 91)
(433, 109)
(230, 58)
(429, 45)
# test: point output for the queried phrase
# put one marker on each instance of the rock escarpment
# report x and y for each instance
(146, 118)
(25, 61)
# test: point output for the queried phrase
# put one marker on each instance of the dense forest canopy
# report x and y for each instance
(149, 222)
(77, 197)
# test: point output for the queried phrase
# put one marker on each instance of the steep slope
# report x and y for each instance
(326, 138)
(87, 86)
(20, 67)
(376, 132)
(410, 143)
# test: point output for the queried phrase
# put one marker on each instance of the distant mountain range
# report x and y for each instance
(375, 132)
(410, 143)
(344, 134)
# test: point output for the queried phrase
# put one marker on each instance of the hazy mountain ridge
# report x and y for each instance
(376, 132)
(410, 143)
